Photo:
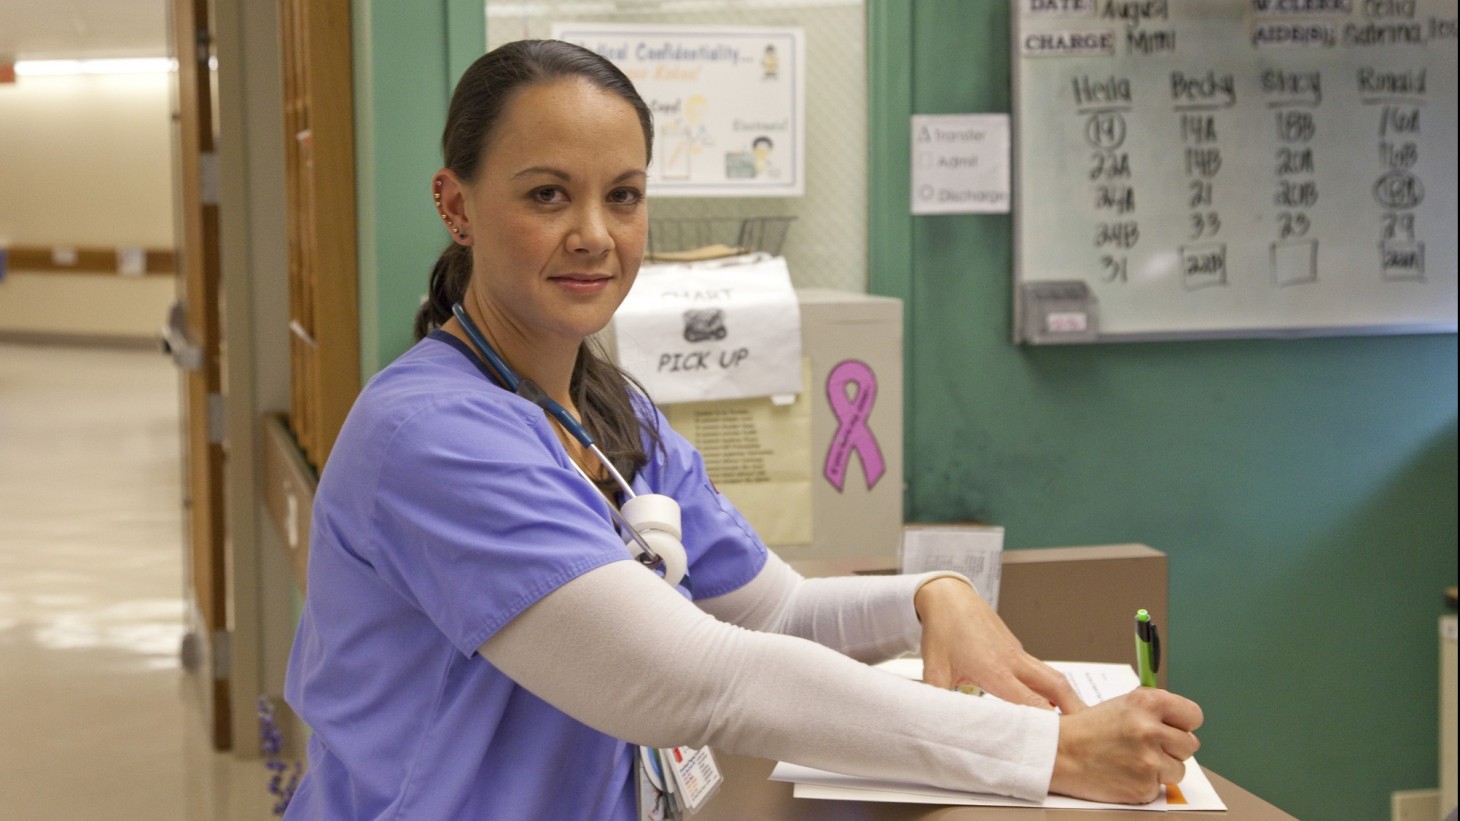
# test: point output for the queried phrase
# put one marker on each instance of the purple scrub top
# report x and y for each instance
(447, 507)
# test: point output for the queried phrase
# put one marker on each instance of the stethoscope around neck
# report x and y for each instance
(651, 521)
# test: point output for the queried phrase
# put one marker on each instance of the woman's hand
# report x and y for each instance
(965, 642)
(1124, 749)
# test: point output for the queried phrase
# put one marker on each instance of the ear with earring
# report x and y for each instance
(449, 224)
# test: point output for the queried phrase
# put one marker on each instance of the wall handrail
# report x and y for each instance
(121, 260)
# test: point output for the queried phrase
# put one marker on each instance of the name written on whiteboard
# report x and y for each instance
(1304, 86)
(1139, 41)
(1374, 82)
(1091, 91)
(1204, 90)
(1405, 33)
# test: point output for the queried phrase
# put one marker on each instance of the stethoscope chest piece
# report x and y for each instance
(656, 518)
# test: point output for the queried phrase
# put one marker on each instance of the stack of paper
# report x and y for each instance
(1093, 682)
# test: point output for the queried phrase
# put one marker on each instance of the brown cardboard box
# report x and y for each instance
(1080, 603)
(1063, 603)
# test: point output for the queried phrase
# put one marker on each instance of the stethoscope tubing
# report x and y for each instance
(529, 390)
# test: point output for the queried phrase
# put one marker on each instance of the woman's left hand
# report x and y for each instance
(965, 642)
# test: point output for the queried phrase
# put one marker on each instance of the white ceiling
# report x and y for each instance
(42, 29)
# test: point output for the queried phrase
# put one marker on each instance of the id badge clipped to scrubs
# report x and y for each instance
(674, 783)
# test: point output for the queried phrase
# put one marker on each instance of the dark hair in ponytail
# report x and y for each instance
(447, 287)
(600, 389)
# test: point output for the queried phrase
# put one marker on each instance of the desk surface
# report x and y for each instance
(747, 794)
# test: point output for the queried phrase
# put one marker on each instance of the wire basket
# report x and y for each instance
(689, 238)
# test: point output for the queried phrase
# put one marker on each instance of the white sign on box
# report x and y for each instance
(708, 331)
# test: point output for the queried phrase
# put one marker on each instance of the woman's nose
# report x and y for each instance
(590, 234)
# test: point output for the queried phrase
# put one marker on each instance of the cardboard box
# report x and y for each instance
(1064, 603)
(851, 342)
(1079, 603)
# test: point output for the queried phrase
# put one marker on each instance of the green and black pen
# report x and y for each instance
(1148, 648)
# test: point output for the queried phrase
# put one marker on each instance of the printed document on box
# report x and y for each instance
(976, 551)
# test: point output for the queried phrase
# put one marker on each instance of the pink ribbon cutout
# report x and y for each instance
(852, 433)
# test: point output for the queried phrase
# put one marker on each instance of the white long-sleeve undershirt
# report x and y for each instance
(769, 670)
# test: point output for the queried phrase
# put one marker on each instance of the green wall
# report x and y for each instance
(1304, 490)
(407, 57)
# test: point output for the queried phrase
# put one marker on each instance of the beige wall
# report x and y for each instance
(83, 305)
(85, 161)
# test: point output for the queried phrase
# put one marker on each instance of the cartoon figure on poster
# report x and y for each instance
(770, 63)
(761, 149)
(684, 138)
(752, 164)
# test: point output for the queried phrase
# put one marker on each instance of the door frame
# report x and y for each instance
(195, 162)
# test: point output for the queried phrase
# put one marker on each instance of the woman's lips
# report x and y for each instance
(582, 283)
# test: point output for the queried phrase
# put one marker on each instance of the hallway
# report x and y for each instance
(97, 718)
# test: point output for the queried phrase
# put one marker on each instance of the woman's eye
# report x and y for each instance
(548, 194)
(625, 196)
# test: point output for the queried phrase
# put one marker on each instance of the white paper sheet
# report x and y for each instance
(973, 550)
(707, 331)
(960, 164)
(1094, 682)
(1196, 791)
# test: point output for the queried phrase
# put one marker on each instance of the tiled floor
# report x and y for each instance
(97, 719)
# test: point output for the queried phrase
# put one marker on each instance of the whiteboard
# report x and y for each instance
(1233, 168)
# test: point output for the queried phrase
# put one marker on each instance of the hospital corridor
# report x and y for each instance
(98, 720)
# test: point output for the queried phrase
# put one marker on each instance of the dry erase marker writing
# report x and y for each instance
(1148, 648)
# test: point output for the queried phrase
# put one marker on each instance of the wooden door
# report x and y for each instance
(319, 151)
(199, 320)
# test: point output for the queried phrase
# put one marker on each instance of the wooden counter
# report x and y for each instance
(747, 794)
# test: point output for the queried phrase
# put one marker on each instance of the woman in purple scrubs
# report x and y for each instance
(477, 642)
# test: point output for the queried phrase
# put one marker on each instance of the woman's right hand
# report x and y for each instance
(1124, 749)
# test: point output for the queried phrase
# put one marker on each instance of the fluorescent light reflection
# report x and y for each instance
(67, 68)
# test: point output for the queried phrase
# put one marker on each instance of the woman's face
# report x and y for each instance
(556, 216)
